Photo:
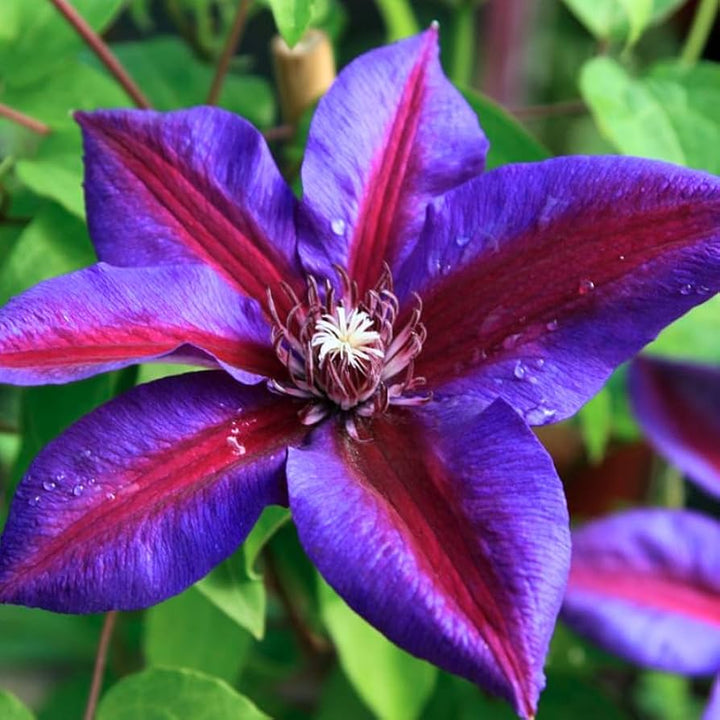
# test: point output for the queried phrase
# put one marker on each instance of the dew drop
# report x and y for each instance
(34, 501)
(87, 453)
(511, 341)
(703, 290)
(235, 446)
(234, 429)
(462, 240)
(78, 490)
(110, 495)
(520, 371)
(621, 258)
(552, 326)
(539, 363)
(585, 286)
(49, 485)
(686, 289)
(338, 226)
(540, 415)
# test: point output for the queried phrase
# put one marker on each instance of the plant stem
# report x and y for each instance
(699, 31)
(463, 49)
(231, 43)
(25, 120)
(398, 18)
(100, 660)
(101, 49)
(311, 644)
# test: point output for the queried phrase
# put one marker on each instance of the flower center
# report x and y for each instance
(348, 338)
(347, 355)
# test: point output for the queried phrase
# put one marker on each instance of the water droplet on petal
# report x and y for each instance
(462, 240)
(511, 341)
(686, 289)
(585, 286)
(235, 446)
(110, 495)
(87, 453)
(338, 226)
(520, 371)
(621, 257)
(539, 415)
(234, 429)
(552, 326)
(538, 363)
(34, 501)
(78, 490)
(49, 485)
(703, 290)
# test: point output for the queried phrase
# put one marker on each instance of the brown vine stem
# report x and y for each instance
(101, 49)
(312, 644)
(231, 44)
(100, 660)
(25, 120)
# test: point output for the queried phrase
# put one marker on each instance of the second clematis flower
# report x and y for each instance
(645, 583)
(379, 349)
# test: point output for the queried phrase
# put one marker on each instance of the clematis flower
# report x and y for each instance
(645, 584)
(378, 350)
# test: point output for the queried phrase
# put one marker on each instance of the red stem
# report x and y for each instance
(231, 43)
(100, 661)
(100, 48)
(25, 120)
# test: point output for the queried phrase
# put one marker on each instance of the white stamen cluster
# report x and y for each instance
(347, 355)
(346, 337)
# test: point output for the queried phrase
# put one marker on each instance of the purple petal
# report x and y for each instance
(712, 711)
(645, 585)
(453, 544)
(104, 318)
(391, 134)
(538, 280)
(187, 186)
(145, 495)
(678, 406)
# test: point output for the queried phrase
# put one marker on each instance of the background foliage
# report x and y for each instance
(263, 630)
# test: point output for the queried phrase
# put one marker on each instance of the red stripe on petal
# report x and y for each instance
(147, 486)
(204, 221)
(649, 592)
(415, 484)
(374, 243)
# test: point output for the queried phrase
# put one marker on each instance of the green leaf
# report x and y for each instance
(509, 141)
(596, 425)
(172, 77)
(695, 336)
(72, 86)
(234, 587)
(164, 694)
(670, 114)
(31, 636)
(54, 243)
(292, 18)
(189, 631)
(12, 709)
(56, 172)
(621, 20)
(36, 37)
(393, 684)
(663, 696)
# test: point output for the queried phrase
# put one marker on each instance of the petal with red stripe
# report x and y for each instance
(104, 318)
(195, 185)
(146, 494)
(390, 134)
(538, 280)
(448, 532)
(645, 584)
(678, 406)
